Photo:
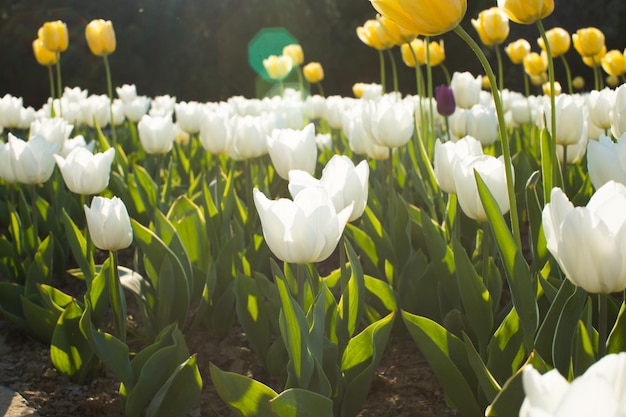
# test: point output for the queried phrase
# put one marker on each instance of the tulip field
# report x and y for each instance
(487, 225)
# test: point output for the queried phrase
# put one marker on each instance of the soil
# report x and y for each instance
(404, 384)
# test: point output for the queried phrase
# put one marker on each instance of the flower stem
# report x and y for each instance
(110, 91)
(602, 324)
(506, 151)
(568, 73)
(59, 83)
(381, 57)
(320, 89)
(51, 77)
(429, 87)
(394, 70)
(118, 303)
(500, 70)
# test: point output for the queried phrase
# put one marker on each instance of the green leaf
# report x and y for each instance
(488, 383)
(252, 313)
(506, 349)
(190, 225)
(41, 321)
(534, 208)
(297, 402)
(475, 296)
(11, 302)
(146, 188)
(359, 362)
(179, 393)
(562, 347)
(245, 396)
(352, 300)
(546, 164)
(78, 246)
(617, 337)
(518, 275)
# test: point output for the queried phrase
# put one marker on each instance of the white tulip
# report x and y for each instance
(293, 149)
(466, 89)
(447, 154)
(156, 134)
(606, 160)
(109, 224)
(32, 161)
(482, 124)
(85, 173)
(388, 122)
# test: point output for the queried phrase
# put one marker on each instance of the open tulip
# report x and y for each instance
(387, 122)
(100, 37)
(373, 35)
(447, 154)
(109, 223)
(589, 242)
(492, 26)
(423, 17)
(397, 34)
(304, 230)
(54, 36)
(527, 12)
(491, 170)
(344, 183)
(156, 134)
(85, 173)
(278, 67)
(6, 167)
(599, 391)
(293, 149)
(32, 161)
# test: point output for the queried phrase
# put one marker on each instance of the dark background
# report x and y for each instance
(197, 49)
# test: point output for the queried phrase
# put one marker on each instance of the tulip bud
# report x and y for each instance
(100, 37)
(492, 26)
(109, 224)
(43, 55)
(54, 36)
(313, 72)
(559, 41)
(294, 51)
(614, 63)
(535, 64)
(547, 88)
(445, 100)
(589, 41)
(578, 82)
(517, 50)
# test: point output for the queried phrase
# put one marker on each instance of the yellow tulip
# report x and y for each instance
(559, 40)
(358, 89)
(54, 36)
(492, 26)
(294, 51)
(313, 72)
(589, 41)
(547, 89)
(614, 63)
(527, 12)
(370, 35)
(437, 52)
(396, 34)
(612, 81)
(578, 82)
(517, 50)
(423, 17)
(540, 79)
(100, 37)
(535, 64)
(595, 60)
(42, 54)
(408, 57)
(278, 67)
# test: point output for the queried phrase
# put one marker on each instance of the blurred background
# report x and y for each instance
(198, 49)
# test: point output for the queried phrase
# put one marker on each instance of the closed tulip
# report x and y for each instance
(598, 391)
(313, 72)
(397, 34)
(109, 223)
(482, 124)
(491, 170)
(517, 50)
(466, 89)
(216, 131)
(43, 55)
(56, 131)
(85, 173)
(32, 160)
(559, 41)
(345, 183)
(445, 100)
(447, 154)
(588, 41)
(387, 122)
(100, 37)
(54, 36)
(6, 166)
(359, 140)
(304, 230)
(457, 123)
(373, 35)
(293, 149)
(188, 115)
(594, 61)
(614, 63)
(600, 105)
(535, 64)
(248, 139)
(423, 17)
(589, 242)
(278, 67)
(156, 134)
(492, 26)
(527, 12)
(606, 160)
(571, 119)
(618, 114)
(294, 51)
(409, 52)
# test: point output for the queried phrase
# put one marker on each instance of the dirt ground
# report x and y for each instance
(403, 386)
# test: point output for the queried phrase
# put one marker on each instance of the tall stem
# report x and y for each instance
(556, 172)
(429, 87)
(51, 77)
(394, 70)
(59, 83)
(568, 73)
(35, 216)
(110, 91)
(500, 70)
(381, 57)
(301, 287)
(320, 89)
(602, 324)
(118, 303)
(504, 138)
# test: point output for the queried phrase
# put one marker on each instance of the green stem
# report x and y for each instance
(320, 89)
(526, 85)
(394, 70)
(117, 301)
(429, 87)
(500, 69)
(568, 74)
(342, 265)
(602, 324)
(300, 81)
(59, 83)
(300, 279)
(504, 138)
(110, 91)
(381, 58)
(564, 164)
(557, 175)
(51, 77)
(446, 73)
(597, 76)
(35, 216)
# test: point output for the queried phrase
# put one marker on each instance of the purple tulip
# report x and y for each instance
(445, 100)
